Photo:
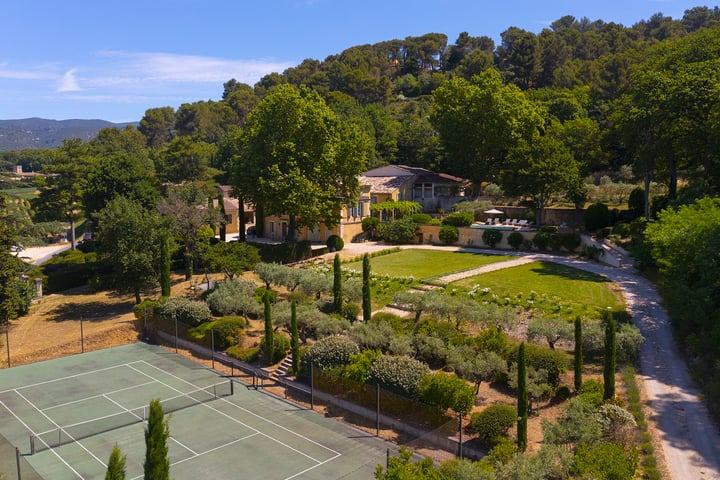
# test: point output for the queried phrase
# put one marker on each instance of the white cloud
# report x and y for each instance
(170, 67)
(37, 73)
(68, 82)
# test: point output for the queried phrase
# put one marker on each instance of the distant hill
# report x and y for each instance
(42, 133)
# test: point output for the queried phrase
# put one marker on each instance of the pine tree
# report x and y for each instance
(269, 342)
(337, 284)
(295, 339)
(116, 465)
(609, 370)
(578, 354)
(164, 265)
(366, 303)
(157, 464)
(522, 402)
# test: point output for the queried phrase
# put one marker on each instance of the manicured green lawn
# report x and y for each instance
(420, 263)
(548, 288)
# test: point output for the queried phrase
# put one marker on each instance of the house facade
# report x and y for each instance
(433, 191)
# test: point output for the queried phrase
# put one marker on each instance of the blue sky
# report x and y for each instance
(113, 60)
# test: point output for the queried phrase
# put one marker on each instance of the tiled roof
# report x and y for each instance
(383, 184)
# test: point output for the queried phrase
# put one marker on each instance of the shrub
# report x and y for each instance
(369, 224)
(622, 229)
(189, 312)
(554, 362)
(605, 461)
(562, 393)
(401, 374)
(493, 422)
(515, 240)
(596, 216)
(591, 393)
(287, 252)
(541, 240)
(228, 332)
(636, 201)
(400, 231)
(335, 243)
(351, 311)
(248, 355)
(395, 321)
(234, 296)
(447, 390)
(570, 241)
(422, 218)
(281, 345)
(146, 307)
(491, 237)
(331, 352)
(459, 219)
(448, 234)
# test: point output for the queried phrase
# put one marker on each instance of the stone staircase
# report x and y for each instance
(282, 369)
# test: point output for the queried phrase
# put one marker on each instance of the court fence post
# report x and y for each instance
(17, 460)
(7, 342)
(460, 427)
(312, 386)
(212, 347)
(176, 335)
(377, 412)
(82, 336)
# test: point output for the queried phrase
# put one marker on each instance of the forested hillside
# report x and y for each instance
(42, 133)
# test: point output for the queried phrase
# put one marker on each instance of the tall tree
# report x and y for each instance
(184, 159)
(61, 192)
(158, 126)
(269, 341)
(578, 355)
(366, 301)
(128, 238)
(540, 169)
(522, 400)
(187, 212)
(157, 432)
(116, 465)
(337, 284)
(478, 122)
(14, 298)
(164, 264)
(609, 363)
(297, 159)
(295, 339)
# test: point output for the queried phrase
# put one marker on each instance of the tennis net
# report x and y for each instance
(65, 434)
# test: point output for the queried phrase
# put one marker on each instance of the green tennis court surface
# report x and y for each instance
(66, 415)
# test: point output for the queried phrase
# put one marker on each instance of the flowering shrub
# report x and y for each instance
(331, 352)
(401, 374)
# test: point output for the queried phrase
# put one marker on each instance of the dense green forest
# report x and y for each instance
(546, 117)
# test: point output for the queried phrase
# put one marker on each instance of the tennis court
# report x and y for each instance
(66, 415)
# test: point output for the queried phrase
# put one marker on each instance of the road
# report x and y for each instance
(690, 440)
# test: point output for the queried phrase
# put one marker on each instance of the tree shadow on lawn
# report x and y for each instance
(555, 270)
(91, 311)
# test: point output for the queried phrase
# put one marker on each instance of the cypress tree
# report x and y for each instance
(609, 370)
(116, 465)
(295, 340)
(337, 284)
(366, 303)
(522, 402)
(269, 343)
(578, 354)
(221, 206)
(157, 464)
(164, 265)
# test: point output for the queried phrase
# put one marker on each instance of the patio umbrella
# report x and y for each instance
(494, 211)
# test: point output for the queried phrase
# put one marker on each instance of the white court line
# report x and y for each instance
(98, 396)
(319, 462)
(52, 449)
(184, 446)
(252, 413)
(59, 379)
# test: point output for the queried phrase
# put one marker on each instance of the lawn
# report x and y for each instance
(549, 288)
(420, 264)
